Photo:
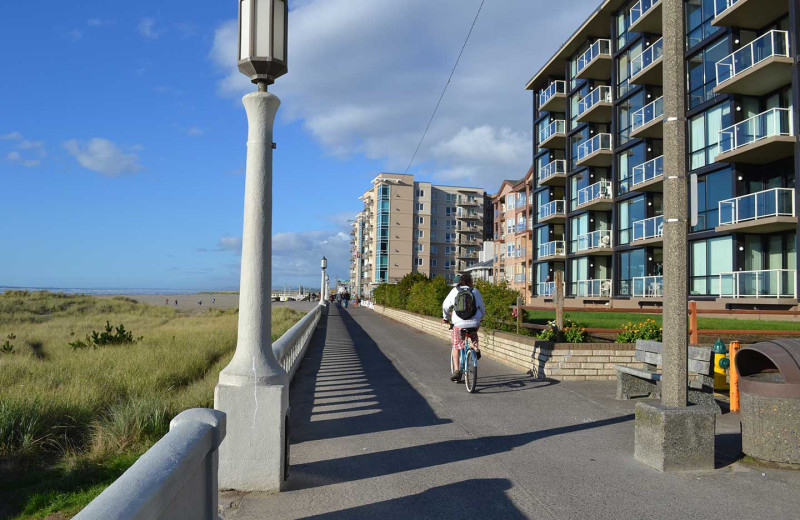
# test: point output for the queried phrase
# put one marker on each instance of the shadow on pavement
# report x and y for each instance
(471, 499)
(509, 383)
(346, 386)
(370, 465)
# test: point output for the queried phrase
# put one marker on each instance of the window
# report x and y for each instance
(419, 262)
(433, 262)
(420, 207)
(434, 250)
(704, 134)
(433, 235)
(625, 112)
(623, 21)
(420, 193)
(448, 211)
(420, 248)
(448, 237)
(709, 258)
(624, 68)
(711, 189)
(421, 233)
(699, 14)
(629, 212)
(626, 161)
(447, 264)
(702, 72)
(631, 265)
(435, 222)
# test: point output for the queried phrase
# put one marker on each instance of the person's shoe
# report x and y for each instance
(456, 376)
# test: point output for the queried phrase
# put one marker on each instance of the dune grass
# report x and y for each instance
(72, 420)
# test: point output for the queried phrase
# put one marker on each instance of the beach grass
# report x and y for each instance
(73, 419)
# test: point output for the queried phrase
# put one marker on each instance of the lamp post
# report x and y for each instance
(253, 388)
(324, 266)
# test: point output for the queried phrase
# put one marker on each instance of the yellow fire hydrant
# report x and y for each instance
(721, 362)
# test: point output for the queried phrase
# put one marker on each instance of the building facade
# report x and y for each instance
(407, 226)
(597, 187)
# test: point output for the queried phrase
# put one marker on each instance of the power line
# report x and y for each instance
(445, 87)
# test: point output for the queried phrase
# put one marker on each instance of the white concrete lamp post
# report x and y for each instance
(324, 266)
(253, 390)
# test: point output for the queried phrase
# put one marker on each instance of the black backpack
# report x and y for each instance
(465, 303)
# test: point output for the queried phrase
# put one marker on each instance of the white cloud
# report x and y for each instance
(147, 29)
(195, 131)
(21, 143)
(233, 244)
(364, 77)
(13, 136)
(16, 157)
(74, 35)
(98, 22)
(103, 156)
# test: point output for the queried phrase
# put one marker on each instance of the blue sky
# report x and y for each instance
(122, 132)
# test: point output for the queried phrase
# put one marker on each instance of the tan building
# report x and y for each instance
(408, 226)
(513, 219)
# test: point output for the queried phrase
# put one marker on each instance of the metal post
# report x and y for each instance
(676, 211)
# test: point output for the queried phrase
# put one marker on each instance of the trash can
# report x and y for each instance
(769, 389)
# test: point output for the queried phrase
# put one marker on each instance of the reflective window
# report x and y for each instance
(625, 163)
(631, 265)
(704, 134)
(629, 212)
(702, 72)
(709, 258)
(624, 68)
(711, 189)
(699, 14)
(625, 112)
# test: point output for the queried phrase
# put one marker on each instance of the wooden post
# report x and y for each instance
(519, 312)
(694, 334)
(559, 276)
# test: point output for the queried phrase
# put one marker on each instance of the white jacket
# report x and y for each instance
(472, 323)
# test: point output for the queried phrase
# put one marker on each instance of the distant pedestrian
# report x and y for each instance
(213, 301)
(176, 302)
(166, 301)
(346, 298)
(200, 302)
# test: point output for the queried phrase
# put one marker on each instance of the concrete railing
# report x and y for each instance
(290, 348)
(176, 479)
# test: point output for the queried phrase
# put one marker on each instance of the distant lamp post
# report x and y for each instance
(253, 388)
(323, 265)
(263, 38)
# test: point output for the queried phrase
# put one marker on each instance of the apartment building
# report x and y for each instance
(412, 226)
(598, 155)
(512, 208)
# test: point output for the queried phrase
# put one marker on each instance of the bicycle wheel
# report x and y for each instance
(471, 373)
(452, 366)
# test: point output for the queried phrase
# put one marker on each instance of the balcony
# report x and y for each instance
(747, 14)
(465, 241)
(596, 106)
(466, 201)
(600, 288)
(647, 68)
(595, 63)
(759, 67)
(648, 121)
(772, 283)
(548, 289)
(554, 135)
(556, 249)
(554, 97)
(761, 139)
(649, 176)
(763, 212)
(468, 215)
(520, 227)
(597, 196)
(519, 278)
(648, 231)
(553, 211)
(596, 151)
(466, 254)
(646, 17)
(595, 243)
(648, 287)
(553, 173)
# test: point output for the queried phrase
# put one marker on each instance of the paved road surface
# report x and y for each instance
(379, 432)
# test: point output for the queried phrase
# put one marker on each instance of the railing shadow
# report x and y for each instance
(499, 384)
(477, 499)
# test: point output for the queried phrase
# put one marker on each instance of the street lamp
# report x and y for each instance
(323, 265)
(253, 388)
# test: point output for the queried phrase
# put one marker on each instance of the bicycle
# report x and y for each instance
(467, 360)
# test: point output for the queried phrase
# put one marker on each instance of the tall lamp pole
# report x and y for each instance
(253, 388)
(324, 266)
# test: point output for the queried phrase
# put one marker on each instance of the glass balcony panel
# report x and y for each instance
(598, 190)
(600, 288)
(640, 8)
(648, 113)
(599, 47)
(557, 167)
(773, 283)
(601, 94)
(773, 43)
(648, 171)
(774, 122)
(648, 228)
(647, 57)
(556, 87)
(556, 207)
(596, 143)
(648, 287)
(555, 248)
(555, 127)
(777, 202)
(600, 239)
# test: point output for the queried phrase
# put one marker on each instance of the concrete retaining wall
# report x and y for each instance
(176, 479)
(560, 361)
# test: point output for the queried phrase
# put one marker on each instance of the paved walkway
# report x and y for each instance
(379, 432)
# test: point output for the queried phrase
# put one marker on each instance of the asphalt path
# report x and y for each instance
(380, 432)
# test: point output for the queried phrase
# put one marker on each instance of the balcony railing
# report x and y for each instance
(647, 113)
(601, 94)
(599, 47)
(556, 87)
(772, 43)
(600, 239)
(520, 227)
(600, 288)
(548, 289)
(641, 7)
(772, 283)
(720, 6)
(552, 208)
(519, 278)
(777, 202)
(648, 228)
(648, 171)
(554, 248)
(596, 143)
(648, 287)
(555, 127)
(598, 190)
(772, 123)
(647, 57)
(557, 167)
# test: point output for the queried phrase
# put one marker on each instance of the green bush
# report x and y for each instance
(96, 339)
(575, 334)
(7, 347)
(426, 296)
(498, 299)
(647, 329)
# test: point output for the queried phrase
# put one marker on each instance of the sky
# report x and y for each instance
(122, 133)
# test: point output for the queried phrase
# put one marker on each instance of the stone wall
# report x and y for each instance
(560, 361)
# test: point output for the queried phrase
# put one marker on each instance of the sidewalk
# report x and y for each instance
(379, 431)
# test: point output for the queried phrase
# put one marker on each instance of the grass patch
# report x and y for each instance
(616, 320)
(72, 420)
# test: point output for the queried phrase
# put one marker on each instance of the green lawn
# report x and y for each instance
(616, 320)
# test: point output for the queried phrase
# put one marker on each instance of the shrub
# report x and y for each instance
(426, 297)
(575, 334)
(120, 336)
(550, 333)
(498, 299)
(7, 347)
(647, 329)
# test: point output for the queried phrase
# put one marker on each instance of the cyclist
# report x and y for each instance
(465, 309)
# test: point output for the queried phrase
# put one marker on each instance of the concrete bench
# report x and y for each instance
(646, 382)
